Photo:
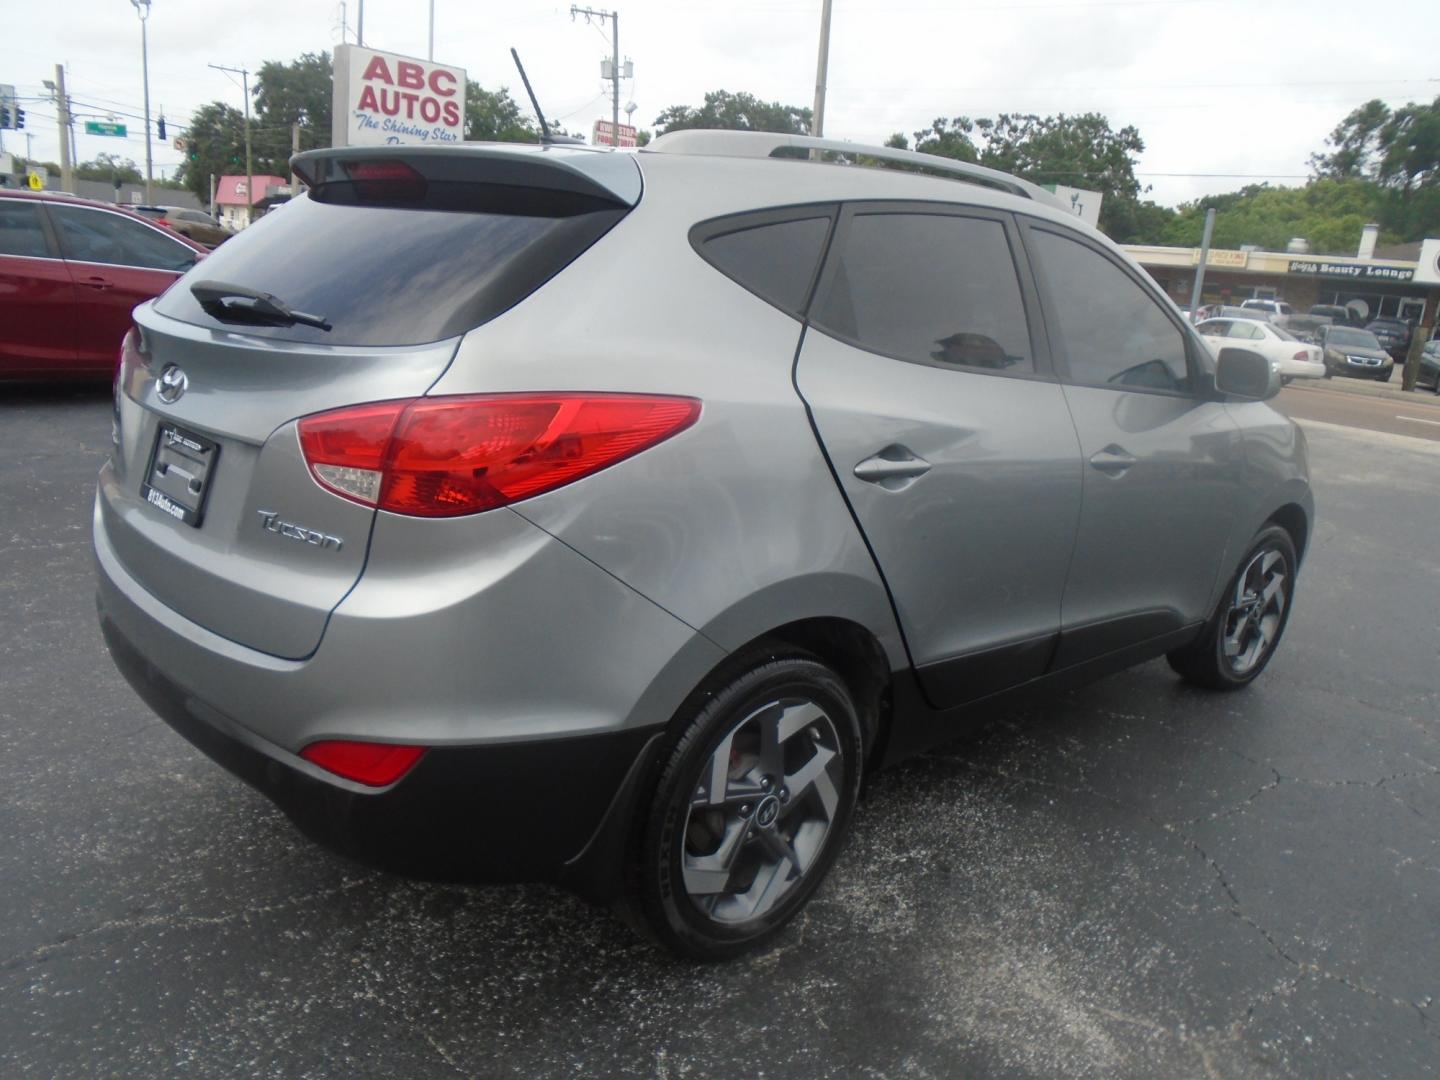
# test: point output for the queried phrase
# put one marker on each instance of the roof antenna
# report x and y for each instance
(545, 136)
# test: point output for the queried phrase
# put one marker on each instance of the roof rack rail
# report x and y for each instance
(764, 144)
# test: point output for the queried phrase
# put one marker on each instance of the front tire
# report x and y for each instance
(1245, 628)
(752, 803)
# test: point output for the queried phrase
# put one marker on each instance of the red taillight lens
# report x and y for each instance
(368, 763)
(386, 179)
(448, 456)
(1303, 354)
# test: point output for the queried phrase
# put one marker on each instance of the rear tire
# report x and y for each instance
(1246, 626)
(751, 805)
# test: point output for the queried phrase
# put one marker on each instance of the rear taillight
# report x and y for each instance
(448, 456)
(1303, 354)
(385, 179)
(368, 763)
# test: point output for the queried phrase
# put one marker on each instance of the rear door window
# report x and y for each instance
(399, 275)
(930, 288)
(21, 230)
(1111, 332)
(99, 236)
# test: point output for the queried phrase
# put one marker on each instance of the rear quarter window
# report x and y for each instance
(773, 255)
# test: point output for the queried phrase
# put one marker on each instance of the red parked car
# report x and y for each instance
(71, 272)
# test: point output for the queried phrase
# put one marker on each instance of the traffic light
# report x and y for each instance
(162, 129)
(19, 118)
(4, 116)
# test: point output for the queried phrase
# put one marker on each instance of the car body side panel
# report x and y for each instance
(1151, 537)
(38, 318)
(735, 525)
(1277, 474)
(975, 551)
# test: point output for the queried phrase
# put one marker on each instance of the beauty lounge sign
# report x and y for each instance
(384, 99)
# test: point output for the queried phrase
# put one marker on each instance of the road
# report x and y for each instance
(1136, 879)
(1333, 402)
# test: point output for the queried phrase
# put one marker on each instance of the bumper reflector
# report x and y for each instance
(368, 763)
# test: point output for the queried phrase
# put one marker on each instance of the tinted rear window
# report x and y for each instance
(776, 260)
(393, 275)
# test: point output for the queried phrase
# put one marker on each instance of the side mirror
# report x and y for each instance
(1245, 374)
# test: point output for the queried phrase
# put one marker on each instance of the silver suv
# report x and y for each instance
(512, 513)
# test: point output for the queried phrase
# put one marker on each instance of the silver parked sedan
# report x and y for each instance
(517, 513)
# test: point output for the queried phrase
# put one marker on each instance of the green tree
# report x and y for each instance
(216, 139)
(494, 116)
(1328, 212)
(109, 167)
(1399, 151)
(300, 92)
(736, 112)
(1076, 151)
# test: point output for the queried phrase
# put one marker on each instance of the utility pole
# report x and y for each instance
(244, 74)
(294, 149)
(62, 111)
(142, 8)
(822, 67)
(614, 17)
(360, 25)
(431, 55)
(1204, 258)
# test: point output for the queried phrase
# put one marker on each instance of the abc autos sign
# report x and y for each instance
(385, 99)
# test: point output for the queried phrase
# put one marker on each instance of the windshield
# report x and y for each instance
(1282, 333)
(1357, 339)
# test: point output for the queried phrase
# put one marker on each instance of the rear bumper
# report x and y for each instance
(525, 811)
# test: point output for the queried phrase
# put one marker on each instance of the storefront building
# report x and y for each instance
(1407, 288)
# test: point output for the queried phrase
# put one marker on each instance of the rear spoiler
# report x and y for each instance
(598, 174)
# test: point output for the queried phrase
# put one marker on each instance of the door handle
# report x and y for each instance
(893, 468)
(1113, 460)
(96, 282)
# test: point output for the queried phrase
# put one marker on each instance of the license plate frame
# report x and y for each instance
(180, 473)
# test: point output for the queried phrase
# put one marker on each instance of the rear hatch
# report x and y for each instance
(371, 280)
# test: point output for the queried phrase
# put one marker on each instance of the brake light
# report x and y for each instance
(385, 179)
(450, 456)
(368, 763)
(1303, 354)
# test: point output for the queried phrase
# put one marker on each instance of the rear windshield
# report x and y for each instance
(397, 275)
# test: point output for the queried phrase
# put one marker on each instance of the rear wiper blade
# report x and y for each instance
(236, 303)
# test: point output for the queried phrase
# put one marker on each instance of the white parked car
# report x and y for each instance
(1297, 360)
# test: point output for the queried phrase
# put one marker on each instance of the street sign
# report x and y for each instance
(181, 143)
(103, 127)
(36, 181)
(604, 134)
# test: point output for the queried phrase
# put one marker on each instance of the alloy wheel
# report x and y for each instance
(1257, 611)
(762, 810)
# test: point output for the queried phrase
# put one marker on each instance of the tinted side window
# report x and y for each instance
(1111, 331)
(932, 288)
(98, 236)
(777, 261)
(21, 232)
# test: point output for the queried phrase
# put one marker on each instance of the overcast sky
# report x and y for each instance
(1248, 88)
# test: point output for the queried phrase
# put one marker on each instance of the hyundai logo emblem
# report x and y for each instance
(172, 384)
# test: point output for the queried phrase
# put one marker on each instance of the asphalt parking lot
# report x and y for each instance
(1134, 879)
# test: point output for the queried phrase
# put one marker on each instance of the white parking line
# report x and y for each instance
(1417, 420)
